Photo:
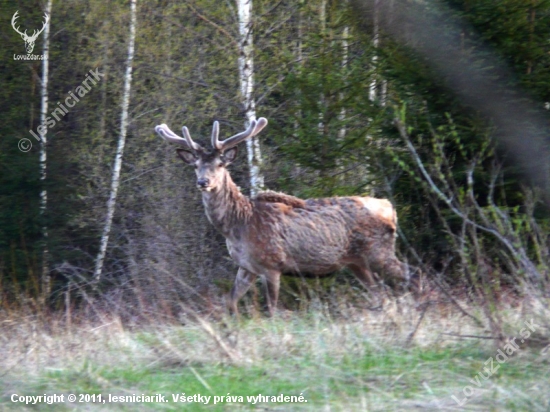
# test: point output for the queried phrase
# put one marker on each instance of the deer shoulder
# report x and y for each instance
(277, 197)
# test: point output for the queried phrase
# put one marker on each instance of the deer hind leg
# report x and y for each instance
(242, 283)
(272, 283)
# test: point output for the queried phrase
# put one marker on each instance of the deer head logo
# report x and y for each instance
(29, 40)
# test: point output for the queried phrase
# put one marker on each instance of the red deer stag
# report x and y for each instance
(274, 233)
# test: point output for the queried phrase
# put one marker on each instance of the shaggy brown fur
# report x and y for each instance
(278, 197)
(275, 233)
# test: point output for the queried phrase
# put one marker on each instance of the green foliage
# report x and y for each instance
(331, 96)
(518, 31)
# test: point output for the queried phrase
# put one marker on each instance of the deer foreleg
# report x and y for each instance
(364, 275)
(273, 281)
(242, 283)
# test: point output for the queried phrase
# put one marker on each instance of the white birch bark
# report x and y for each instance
(46, 280)
(111, 203)
(246, 78)
(383, 82)
(345, 52)
(376, 43)
(300, 60)
(374, 84)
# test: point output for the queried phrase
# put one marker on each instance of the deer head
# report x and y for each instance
(210, 163)
(29, 40)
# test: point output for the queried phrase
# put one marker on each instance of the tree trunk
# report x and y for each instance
(345, 57)
(376, 43)
(111, 203)
(246, 77)
(45, 276)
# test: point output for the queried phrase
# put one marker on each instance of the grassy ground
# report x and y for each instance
(362, 360)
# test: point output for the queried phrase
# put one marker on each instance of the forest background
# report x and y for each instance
(440, 106)
(338, 83)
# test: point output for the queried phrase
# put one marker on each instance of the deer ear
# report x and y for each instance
(230, 155)
(188, 157)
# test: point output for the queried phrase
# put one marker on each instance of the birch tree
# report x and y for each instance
(46, 280)
(111, 203)
(376, 44)
(345, 52)
(246, 80)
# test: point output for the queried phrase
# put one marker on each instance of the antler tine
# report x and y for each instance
(195, 146)
(239, 137)
(262, 122)
(254, 128)
(215, 135)
(164, 131)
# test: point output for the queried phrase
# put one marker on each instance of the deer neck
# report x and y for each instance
(226, 207)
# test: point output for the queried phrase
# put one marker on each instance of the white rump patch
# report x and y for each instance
(380, 207)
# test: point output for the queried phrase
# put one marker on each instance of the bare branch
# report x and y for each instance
(215, 25)
(517, 253)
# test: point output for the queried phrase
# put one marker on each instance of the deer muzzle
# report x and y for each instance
(203, 183)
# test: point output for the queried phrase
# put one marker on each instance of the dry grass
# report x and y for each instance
(406, 356)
